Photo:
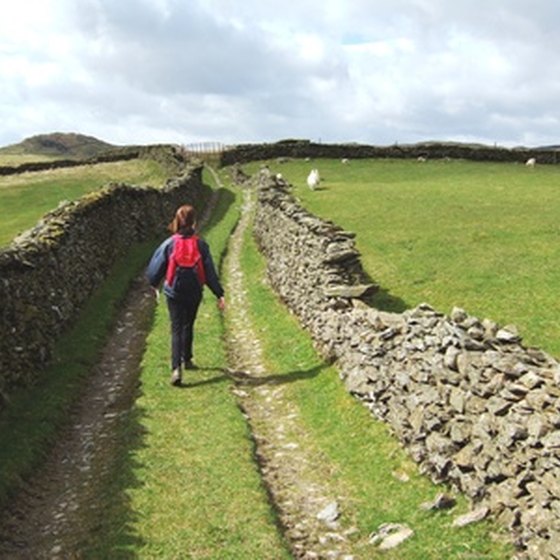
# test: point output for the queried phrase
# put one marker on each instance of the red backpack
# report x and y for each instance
(185, 263)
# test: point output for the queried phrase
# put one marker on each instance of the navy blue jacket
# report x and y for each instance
(157, 267)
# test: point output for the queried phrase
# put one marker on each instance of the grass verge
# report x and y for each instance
(188, 486)
(361, 449)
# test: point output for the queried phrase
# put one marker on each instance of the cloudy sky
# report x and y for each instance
(371, 71)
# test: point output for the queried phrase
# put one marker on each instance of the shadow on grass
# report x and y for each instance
(116, 535)
(241, 378)
(382, 299)
(225, 199)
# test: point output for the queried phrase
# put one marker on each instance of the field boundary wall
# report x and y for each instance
(48, 273)
(166, 154)
(243, 153)
(473, 406)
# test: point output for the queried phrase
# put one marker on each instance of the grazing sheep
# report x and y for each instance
(313, 179)
(345, 160)
(421, 159)
(531, 162)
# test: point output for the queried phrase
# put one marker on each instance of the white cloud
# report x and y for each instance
(371, 71)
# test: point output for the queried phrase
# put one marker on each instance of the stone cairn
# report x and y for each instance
(473, 406)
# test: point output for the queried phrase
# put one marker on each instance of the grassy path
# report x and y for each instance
(297, 473)
(193, 470)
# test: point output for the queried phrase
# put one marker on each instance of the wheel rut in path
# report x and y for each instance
(58, 508)
(52, 516)
(297, 475)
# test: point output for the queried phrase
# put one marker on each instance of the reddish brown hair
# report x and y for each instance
(184, 219)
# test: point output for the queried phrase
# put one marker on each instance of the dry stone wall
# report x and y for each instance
(472, 405)
(168, 155)
(49, 272)
(244, 153)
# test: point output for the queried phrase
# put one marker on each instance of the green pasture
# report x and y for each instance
(10, 159)
(482, 236)
(25, 197)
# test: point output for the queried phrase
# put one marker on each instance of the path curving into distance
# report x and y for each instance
(309, 504)
(61, 505)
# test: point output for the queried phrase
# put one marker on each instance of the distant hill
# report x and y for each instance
(60, 145)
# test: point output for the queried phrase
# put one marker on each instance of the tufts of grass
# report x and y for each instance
(187, 485)
(363, 454)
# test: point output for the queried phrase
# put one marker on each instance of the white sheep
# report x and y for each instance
(421, 159)
(345, 160)
(531, 162)
(313, 179)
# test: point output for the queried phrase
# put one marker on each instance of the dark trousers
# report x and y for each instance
(182, 314)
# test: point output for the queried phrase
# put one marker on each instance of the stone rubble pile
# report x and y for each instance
(472, 405)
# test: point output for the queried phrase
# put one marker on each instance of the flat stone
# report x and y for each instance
(329, 514)
(472, 517)
(390, 535)
(347, 291)
(552, 440)
(457, 399)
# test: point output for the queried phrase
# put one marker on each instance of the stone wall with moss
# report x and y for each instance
(49, 272)
(472, 405)
(434, 150)
(168, 155)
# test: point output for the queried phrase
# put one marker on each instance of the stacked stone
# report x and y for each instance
(312, 263)
(472, 405)
(300, 149)
(48, 273)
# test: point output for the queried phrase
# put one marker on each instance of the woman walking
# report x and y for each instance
(184, 263)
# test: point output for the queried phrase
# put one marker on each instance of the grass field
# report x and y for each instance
(482, 236)
(13, 159)
(25, 197)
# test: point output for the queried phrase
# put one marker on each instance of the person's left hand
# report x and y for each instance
(221, 303)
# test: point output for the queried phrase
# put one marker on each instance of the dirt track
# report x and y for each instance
(60, 506)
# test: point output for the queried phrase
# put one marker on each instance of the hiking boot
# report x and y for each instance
(176, 377)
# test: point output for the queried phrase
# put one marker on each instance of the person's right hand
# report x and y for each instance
(221, 303)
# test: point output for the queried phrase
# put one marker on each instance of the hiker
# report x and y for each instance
(185, 264)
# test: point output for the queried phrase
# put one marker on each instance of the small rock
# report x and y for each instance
(390, 535)
(329, 514)
(508, 334)
(471, 517)
(441, 501)
(402, 476)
